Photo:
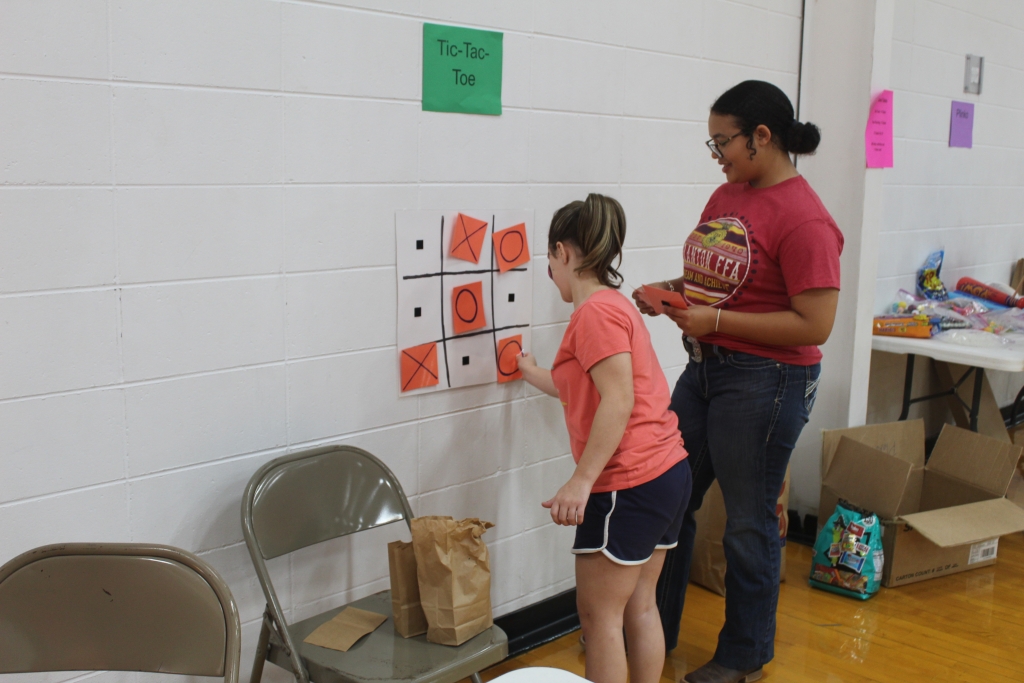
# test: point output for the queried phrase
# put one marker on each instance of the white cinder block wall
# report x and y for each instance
(197, 253)
(968, 201)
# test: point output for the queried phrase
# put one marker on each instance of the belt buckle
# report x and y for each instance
(693, 346)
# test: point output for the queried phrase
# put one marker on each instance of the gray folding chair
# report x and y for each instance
(302, 499)
(116, 607)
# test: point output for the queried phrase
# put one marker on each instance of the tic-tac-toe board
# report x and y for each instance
(465, 297)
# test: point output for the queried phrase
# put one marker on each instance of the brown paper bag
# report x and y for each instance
(708, 566)
(454, 575)
(405, 590)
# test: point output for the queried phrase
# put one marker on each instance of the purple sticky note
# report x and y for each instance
(961, 124)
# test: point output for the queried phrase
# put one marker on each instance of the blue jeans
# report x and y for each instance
(740, 416)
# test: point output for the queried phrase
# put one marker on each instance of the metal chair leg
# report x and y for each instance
(262, 646)
(475, 678)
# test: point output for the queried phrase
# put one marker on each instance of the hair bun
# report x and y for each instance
(802, 138)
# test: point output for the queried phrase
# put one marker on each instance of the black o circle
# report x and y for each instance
(501, 247)
(502, 355)
(476, 306)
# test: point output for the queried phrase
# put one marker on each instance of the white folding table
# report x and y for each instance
(1009, 358)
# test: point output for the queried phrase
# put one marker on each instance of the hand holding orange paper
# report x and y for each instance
(508, 352)
(658, 298)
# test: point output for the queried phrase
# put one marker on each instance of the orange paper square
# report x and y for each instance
(419, 367)
(468, 308)
(509, 349)
(511, 248)
(467, 238)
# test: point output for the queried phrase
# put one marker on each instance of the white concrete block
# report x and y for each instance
(492, 196)
(342, 227)
(235, 43)
(234, 565)
(719, 76)
(56, 238)
(577, 77)
(470, 148)
(60, 443)
(587, 149)
(506, 563)
(182, 328)
(481, 442)
(92, 515)
(55, 38)
(192, 137)
(177, 233)
(193, 420)
(502, 16)
(669, 26)
(495, 499)
(331, 140)
(340, 311)
(547, 556)
(353, 53)
(195, 508)
(544, 433)
(600, 21)
(662, 215)
(792, 8)
(58, 342)
(330, 397)
(770, 40)
(63, 132)
(663, 86)
(663, 152)
(546, 340)
(410, 7)
(545, 200)
(900, 70)
(516, 74)
(466, 398)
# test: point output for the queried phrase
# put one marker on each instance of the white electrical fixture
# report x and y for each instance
(972, 74)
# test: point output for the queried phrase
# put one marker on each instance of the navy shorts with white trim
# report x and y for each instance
(629, 525)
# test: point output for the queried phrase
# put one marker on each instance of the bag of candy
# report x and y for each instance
(928, 283)
(848, 556)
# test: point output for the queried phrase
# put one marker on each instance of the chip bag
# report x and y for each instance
(848, 556)
(928, 283)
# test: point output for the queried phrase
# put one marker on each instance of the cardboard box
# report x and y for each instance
(940, 518)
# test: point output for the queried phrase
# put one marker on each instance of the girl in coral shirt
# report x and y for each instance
(631, 485)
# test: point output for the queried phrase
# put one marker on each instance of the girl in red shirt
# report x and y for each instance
(629, 492)
(761, 275)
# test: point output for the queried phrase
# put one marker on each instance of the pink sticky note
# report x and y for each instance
(878, 133)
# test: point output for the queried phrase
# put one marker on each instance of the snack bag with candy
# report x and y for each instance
(928, 283)
(848, 556)
(917, 325)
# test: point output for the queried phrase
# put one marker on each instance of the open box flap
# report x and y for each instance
(969, 523)
(868, 478)
(904, 440)
(979, 460)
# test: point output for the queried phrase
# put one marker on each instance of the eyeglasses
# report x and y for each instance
(716, 147)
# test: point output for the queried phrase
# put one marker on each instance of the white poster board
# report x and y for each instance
(439, 293)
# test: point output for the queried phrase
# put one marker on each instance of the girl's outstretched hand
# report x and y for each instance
(569, 503)
(526, 361)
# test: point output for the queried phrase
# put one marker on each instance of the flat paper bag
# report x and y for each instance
(405, 590)
(347, 627)
(454, 575)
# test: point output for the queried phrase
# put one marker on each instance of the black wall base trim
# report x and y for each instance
(540, 623)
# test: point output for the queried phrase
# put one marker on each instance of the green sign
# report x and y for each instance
(461, 70)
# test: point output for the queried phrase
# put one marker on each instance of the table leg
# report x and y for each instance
(979, 379)
(908, 384)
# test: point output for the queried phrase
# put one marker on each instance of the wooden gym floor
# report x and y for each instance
(966, 627)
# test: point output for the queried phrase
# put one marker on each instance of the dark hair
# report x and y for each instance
(596, 228)
(755, 103)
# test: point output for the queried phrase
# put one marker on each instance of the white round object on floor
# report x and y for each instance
(538, 674)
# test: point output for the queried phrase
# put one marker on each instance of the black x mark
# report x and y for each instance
(466, 236)
(417, 370)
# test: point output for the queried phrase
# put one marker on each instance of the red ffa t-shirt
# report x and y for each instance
(606, 324)
(757, 247)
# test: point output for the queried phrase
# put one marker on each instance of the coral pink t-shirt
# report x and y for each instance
(757, 247)
(606, 324)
